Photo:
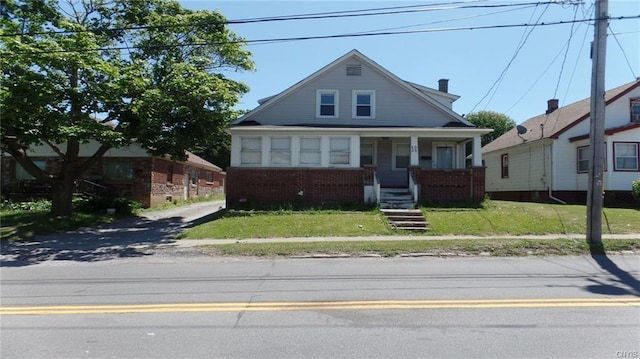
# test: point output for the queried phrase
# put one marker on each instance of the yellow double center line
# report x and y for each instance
(317, 306)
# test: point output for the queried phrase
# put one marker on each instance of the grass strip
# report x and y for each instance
(489, 247)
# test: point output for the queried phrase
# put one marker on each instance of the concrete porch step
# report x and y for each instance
(406, 219)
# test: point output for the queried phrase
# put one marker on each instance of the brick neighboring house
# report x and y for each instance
(129, 172)
(547, 157)
(347, 132)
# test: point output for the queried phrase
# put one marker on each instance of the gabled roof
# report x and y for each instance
(557, 122)
(419, 91)
(198, 161)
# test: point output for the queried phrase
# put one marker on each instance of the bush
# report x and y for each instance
(122, 206)
(39, 205)
(635, 189)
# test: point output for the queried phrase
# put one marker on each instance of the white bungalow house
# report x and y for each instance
(547, 156)
(348, 130)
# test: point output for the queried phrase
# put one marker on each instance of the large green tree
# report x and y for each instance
(113, 71)
(500, 123)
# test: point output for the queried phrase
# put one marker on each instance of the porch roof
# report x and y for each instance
(451, 132)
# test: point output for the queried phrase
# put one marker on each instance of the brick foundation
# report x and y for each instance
(455, 185)
(269, 186)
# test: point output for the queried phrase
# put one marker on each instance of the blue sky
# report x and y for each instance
(508, 70)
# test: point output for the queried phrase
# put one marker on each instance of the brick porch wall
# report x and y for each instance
(455, 185)
(318, 186)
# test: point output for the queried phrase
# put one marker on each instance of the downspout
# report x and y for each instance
(551, 175)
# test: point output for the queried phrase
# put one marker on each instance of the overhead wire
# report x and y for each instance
(624, 53)
(496, 83)
(310, 16)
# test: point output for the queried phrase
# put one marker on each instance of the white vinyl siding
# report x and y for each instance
(281, 151)
(251, 151)
(339, 151)
(310, 151)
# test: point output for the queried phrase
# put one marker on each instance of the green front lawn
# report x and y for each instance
(495, 219)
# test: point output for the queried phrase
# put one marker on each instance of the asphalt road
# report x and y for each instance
(172, 306)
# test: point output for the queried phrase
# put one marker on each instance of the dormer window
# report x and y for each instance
(364, 104)
(327, 104)
(635, 109)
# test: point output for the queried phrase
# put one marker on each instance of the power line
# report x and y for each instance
(335, 36)
(523, 40)
(309, 16)
(564, 59)
(623, 52)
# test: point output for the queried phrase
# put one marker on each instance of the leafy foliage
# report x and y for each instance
(500, 124)
(635, 189)
(152, 70)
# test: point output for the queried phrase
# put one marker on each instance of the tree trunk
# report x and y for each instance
(62, 197)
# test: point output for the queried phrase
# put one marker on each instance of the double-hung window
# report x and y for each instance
(22, 174)
(635, 109)
(327, 103)
(364, 104)
(251, 151)
(504, 172)
(401, 155)
(281, 151)
(584, 156)
(310, 151)
(626, 156)
(118, 171)
(367, 151)
(339, 151)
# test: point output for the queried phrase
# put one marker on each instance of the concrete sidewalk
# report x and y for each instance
(185, 243)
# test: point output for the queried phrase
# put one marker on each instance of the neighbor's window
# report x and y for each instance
(281, 151)
(626, 156)
(310, 151)
(22, 174)
(117, 171)
(327, 103)
(339, 151)
(584, 155)
(505, 165)
(170, 173)
(251, 151)
(364, 104)
(635, 109)
(366, 153)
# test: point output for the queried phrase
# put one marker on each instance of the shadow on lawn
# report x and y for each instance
(131, 237)
(623, 282)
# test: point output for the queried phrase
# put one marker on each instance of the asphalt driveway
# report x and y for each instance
(130, 237)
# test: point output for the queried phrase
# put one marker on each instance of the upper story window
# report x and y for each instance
(281, 151)
(364, 104)
(635, 109)
(626, 156)
(251, 151)
(327, 103)
(310, 151)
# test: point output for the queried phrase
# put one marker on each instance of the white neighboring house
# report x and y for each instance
(547, 156)
(348, 129)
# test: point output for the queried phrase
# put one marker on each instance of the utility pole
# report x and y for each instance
(596, 135)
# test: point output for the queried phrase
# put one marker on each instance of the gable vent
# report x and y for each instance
(354, 70)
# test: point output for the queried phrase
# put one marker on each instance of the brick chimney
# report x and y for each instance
(443, 85)
(552, 105)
